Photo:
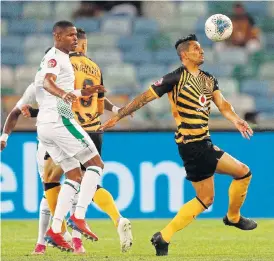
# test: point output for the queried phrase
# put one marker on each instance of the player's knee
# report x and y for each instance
(76, 178)
(206, 201)
(243, 170)
(101, 165)
(51, 178)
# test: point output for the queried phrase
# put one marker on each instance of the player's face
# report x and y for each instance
(69, 39)
(195, 53)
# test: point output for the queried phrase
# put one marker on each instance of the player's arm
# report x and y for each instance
(228, 112)
(9, 126)
(51, 87)
(101, 99)
(29, 112)
(10, 123)
(101, 103)
(137, 103)
(156, 90)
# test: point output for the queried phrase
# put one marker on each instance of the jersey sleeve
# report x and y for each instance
(52, 65)
(28, 97)
(164, 85)
(216, 85)
(102, 94)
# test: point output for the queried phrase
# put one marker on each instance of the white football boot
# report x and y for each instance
(125, 234)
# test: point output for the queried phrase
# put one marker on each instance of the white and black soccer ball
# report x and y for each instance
(218, 27)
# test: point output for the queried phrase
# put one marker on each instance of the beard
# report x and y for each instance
(200, 63)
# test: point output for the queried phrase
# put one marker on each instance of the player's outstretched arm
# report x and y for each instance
(109, 106)
(9, 126)
(137, 103)
(228, 112)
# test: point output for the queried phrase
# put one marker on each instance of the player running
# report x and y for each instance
(102, 197)
(86, 112)
(23, 106)
(190, 91)
(63, 138)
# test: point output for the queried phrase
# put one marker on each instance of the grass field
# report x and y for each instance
(204, 240)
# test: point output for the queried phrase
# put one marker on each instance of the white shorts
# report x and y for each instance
(40, 155)
(64, 139)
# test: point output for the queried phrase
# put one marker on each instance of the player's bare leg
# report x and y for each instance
(237, 191)
(188, 212)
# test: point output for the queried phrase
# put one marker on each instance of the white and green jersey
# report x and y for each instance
(50, 106)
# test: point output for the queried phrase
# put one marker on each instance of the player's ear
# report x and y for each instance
(57, 36)
(84, 45)
(184, 55)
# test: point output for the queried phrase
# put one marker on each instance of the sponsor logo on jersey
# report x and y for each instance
(159, 82)
(202, 100)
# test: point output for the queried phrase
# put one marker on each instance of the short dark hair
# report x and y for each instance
(81, 34)
(62, 24)
(183, 43)
(47, 50)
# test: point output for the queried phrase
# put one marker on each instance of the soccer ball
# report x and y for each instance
(218, 27)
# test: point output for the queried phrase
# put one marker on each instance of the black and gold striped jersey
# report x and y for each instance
(190, 99)
(85, 109)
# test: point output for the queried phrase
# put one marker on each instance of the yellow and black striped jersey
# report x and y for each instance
(190, 99)
(85, 109)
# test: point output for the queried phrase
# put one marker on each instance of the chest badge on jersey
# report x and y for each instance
(202, 100)
(52, 63)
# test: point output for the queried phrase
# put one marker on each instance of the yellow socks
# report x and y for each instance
(105, 201)
(186, 214)
(52, 191)
(237, 195)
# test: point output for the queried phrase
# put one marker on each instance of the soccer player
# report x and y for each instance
(23, 106)
(102, 197)
(86, 111)
(63, 138)
(190, 91)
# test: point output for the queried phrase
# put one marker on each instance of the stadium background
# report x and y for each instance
(135, 47)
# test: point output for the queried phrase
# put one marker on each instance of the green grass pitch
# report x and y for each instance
(203, 240)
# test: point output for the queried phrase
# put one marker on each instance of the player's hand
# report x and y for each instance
(25, 111)
(109, 123)
(90, 90)
(69, 97)
(3, 145)
(131, 115)
(244, 128)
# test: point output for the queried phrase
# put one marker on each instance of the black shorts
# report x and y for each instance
(200, 159)
(96, 137)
